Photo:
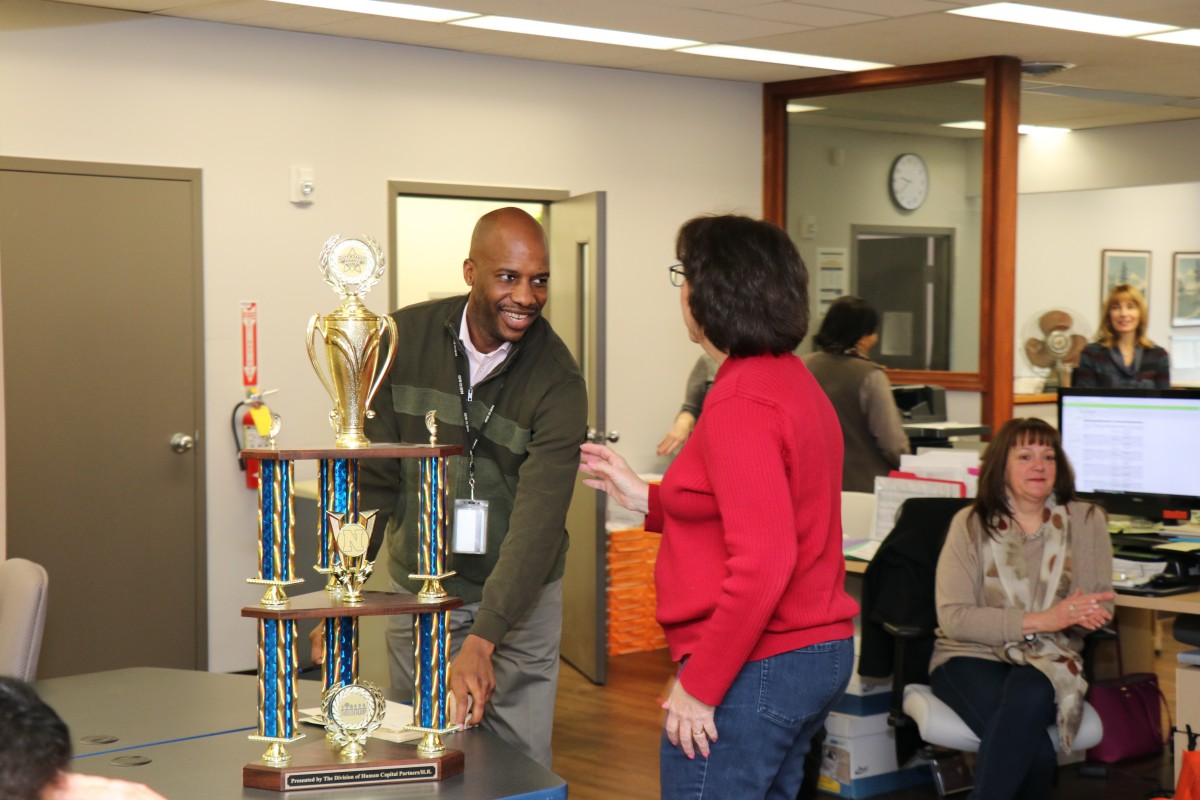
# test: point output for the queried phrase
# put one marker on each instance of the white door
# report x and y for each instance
(576, 310)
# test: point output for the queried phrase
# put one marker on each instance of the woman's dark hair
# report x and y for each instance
(849, 319)
(991, 500)
(747, 285)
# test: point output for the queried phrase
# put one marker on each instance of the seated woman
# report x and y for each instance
(1122, 356)
(1026, 570)
(860, 392)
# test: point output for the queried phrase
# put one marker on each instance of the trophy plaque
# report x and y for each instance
(351, 337)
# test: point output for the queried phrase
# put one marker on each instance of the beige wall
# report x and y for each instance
(246, 104)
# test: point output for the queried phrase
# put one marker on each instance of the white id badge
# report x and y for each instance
(470, 527)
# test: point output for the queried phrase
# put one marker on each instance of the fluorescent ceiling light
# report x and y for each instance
(1041, 130)
(576, 32)
(1064, 20)
(979, 125)
(781, 57)
(381, 8)
(800, 108)
(1183, 36)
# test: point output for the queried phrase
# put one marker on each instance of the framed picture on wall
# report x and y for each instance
(1125, 266)
(1185, 290)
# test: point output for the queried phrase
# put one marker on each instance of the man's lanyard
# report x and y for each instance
(466, 393)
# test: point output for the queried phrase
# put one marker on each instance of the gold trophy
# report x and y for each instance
(352, 538)
(351, 337)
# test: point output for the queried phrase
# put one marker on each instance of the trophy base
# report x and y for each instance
(315, 765)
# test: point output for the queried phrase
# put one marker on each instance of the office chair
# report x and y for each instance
(900, 614)
(22, 617)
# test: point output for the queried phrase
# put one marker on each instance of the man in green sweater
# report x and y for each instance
(491, 358)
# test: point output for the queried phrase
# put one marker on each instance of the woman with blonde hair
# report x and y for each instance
(1122, 355)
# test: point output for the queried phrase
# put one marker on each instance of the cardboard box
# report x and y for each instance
(865, 697)
(859, 758)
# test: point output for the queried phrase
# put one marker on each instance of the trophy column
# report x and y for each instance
(338, 493)
(431, 631)
(276, 637)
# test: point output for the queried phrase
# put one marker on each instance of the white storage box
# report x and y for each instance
(859, 758)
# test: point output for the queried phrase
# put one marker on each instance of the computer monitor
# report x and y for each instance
(1134, 451)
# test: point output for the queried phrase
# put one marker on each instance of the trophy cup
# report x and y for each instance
(351, 336)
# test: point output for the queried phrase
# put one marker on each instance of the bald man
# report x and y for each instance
(491, 355)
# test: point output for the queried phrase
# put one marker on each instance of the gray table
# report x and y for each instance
(184, 734)
(147, 705)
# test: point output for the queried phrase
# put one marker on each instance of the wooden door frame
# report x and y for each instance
(192, 177)
(1002, 109)
(455, 191)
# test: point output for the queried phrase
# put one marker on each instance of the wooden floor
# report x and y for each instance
(606, 737)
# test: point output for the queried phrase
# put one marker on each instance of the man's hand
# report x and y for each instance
(471, 676)
(316, 638)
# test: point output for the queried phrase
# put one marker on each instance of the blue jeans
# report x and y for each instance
(1008, 707)
(764, 725)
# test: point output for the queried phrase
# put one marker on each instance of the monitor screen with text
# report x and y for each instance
(1138, 445)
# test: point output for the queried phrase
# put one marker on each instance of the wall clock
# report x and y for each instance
(908, 181)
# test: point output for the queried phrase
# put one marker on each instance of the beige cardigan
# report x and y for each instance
(966, 627)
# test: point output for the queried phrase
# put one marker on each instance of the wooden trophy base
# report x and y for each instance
(315, 765)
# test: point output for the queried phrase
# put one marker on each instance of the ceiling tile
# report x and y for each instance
(808, 16)
(892, 8)
(891, 31)
(1183, 13)
(660, 20)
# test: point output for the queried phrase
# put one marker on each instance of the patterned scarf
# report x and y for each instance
(1007, 582)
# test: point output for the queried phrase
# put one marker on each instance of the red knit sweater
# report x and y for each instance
(750, 563)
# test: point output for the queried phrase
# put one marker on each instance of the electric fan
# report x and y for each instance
(1053, 343)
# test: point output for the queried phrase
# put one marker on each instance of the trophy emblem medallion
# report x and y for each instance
(352, 712)
(352, 266)
(351, 567)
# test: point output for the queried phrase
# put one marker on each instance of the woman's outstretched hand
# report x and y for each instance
(608, 472)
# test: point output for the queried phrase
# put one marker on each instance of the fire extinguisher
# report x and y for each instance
(255, 426)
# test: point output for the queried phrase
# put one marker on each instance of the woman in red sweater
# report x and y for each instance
(750, 570)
